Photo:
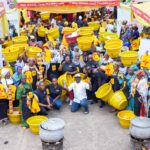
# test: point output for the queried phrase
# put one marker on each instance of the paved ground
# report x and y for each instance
(99, 130)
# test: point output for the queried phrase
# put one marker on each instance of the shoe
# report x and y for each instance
(86, 112)
(70, 103)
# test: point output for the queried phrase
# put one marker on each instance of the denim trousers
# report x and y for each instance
(83, 103)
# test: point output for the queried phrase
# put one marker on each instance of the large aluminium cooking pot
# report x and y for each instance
(52, 130)
(140, 127)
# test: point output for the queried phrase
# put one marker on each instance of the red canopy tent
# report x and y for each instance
(65, 6)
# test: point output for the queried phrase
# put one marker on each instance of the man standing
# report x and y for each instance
(80, 97)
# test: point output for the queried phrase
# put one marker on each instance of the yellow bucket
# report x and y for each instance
(105, 92)
(129, 58)
(104, 36)
(124, 118)
(54, 33)
(42, 32)
(111, 36)
(85, 31)
(33, 51)
(118, 100)
(7, 43)
(11, 55)
(20, 40)
(21, 47)
(63, 95)
(45, 15)
(114, 41)
(67, 30)
(85, 43)
(68, 79)
(15, 117)
(94, 25)
(113, 50)
(34, 123)
(88, 29)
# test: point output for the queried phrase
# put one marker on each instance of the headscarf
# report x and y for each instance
(134, 67)
(4, 72)
(17, 76)
(17, 69)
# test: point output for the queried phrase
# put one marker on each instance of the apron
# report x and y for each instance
(26, 113)
(34, 76)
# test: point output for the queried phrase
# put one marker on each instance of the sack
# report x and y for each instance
(35, 106)
(3, 94)
(29, 78)
(13, 92)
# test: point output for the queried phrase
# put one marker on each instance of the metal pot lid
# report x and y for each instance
(53, 124)
(141, 122)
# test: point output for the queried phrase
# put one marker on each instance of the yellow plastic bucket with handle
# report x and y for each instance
(42, 32)
(114, 41)
(118, 100)
(105, 92)
(129, 58)
(33, 51)
(125, 117)
(45, 15)
(15, 117)
(67, 78)
(10, 55)
(94, 25)
(113, 49)
(7, 43)
(54, 33)
(20, 40)
(85, 43)
(21, 47)
(34, 123)
(67, 30)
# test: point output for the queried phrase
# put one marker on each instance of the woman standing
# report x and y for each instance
(5, 81)
(139, 90)
(21, 95)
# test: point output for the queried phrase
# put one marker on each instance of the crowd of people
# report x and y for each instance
(133, 80)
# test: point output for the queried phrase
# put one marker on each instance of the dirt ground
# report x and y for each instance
(99, 130)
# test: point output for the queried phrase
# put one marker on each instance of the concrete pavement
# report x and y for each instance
(99, 130)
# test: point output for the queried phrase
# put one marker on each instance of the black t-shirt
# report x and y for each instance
(68, 67)
(92, 64)
(101, 77)
(54, 91)
(53, 71)
(41, 96)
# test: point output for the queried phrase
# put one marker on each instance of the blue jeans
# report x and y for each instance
(83, 103)
(57, 104)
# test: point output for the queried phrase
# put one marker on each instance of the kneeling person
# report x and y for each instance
(80, 97)
(54, 91)
(43, 99)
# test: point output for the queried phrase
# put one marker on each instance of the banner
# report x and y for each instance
(140, 13)
(46, 3)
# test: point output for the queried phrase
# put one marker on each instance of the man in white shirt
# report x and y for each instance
(80, 97)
